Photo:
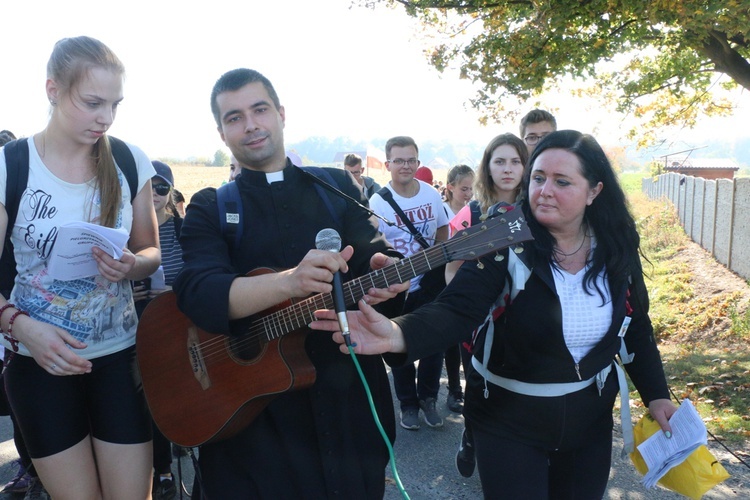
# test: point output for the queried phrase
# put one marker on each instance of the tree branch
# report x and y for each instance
(716, 48)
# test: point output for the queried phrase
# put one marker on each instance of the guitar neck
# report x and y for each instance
(491, 235)
(301, 313)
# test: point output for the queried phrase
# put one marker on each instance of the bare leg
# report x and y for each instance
(125, 470)
(70, 474)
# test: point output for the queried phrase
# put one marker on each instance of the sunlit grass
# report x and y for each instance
(710, 370)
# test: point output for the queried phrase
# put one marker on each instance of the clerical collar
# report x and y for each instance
(272, 177)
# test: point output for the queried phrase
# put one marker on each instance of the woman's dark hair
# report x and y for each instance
(608, 216)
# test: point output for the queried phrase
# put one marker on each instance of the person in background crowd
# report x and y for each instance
(296, 447)
(234, 168)
(6, 136)
(424, 174)
(71, 381)
(144, 291)
(26, 479)
(459, 191)
(179, 202)
(536, 124)
(540, 398)
(353, 163)
(416, 388)
(498, 180)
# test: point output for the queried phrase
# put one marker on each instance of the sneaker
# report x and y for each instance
(36, 490)
(410, 419)
(465, 461)
(455, 402)
(20, 483)
(431, 416)
(164, 488)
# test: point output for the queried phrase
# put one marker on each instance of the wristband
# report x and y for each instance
(2, 310)
(9, 336)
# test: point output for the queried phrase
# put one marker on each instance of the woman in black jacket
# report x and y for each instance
(545, 381)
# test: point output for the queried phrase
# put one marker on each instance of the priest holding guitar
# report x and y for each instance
(298, 424)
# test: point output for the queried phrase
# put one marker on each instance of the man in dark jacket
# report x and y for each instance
(320, 441)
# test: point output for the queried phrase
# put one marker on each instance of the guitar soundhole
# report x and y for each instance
(246, 349)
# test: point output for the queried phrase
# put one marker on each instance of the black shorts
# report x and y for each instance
(55, 413)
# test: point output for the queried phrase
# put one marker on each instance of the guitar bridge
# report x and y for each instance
(197, 363)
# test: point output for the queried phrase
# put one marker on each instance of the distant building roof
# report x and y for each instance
(371, 152)
(701, 163)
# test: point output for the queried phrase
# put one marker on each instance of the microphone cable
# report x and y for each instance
(388, 445)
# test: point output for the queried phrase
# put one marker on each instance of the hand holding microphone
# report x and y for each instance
(329, 240)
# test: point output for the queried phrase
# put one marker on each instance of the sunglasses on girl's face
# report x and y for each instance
(161, 189)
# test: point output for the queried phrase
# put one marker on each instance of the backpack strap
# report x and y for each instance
(476, 212)
(17, 177)
(230, 213)
(125, 160)
(17, 171)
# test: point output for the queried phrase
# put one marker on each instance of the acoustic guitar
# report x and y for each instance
(203, 387)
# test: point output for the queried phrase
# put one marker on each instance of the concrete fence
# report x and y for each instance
(714, 213)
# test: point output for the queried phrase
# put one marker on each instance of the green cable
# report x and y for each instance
(380, 426)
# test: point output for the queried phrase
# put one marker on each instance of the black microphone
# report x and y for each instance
(329, 240)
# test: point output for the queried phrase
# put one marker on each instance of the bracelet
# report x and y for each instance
(9, 336)
(2, 310)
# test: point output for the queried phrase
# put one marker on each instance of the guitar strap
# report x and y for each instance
(385, 193)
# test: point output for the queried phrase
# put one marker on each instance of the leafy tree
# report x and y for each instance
(660, 60)
(221, 159)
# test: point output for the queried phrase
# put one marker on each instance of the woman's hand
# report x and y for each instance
(112, 269)
(140, 291)
(371, 332)
(662, 410)
(51, 347)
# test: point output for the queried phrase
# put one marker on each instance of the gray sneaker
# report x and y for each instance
(410, 419)
(431, 416)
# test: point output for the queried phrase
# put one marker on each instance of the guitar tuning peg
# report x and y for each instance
(483, 217)
(518, 249)
(465, 224)
(502, 210)
(499, 257)
(480, 265)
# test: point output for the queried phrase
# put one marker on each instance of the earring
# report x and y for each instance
(53, 102)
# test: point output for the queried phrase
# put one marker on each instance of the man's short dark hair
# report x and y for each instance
(235, 80)
(536, 116)
(6, 136)
(352, 159)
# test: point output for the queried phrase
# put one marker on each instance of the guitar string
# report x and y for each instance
(276, 322)
(282, 322)
(261, 327)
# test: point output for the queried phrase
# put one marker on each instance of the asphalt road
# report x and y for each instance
(425, 461)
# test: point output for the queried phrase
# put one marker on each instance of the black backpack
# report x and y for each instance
(17, 168)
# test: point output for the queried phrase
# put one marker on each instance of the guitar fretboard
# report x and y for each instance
(491, 235)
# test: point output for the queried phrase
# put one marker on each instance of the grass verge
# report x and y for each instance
(703, 339)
